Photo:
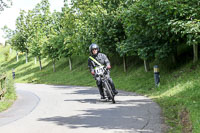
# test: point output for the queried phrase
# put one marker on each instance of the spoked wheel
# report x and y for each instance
(109, 92)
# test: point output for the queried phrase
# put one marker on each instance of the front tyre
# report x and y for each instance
(109, 92)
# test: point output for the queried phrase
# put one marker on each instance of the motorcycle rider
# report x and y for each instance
(103, 60)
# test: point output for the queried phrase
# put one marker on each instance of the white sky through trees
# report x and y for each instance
(9, 15)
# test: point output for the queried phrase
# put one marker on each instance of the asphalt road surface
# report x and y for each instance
(72, 109)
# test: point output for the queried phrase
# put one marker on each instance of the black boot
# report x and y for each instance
(101, 92)
(115, 91)
(103, 97)
(113, 87)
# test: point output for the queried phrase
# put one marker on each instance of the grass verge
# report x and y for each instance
(10, 95)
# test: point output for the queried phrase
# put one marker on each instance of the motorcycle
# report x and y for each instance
(101, 71)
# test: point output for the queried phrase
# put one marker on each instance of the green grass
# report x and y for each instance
(178, 92)
(10, 95)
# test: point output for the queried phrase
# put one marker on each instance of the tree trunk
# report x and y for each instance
(54, 65)
(124, 63)
(10, 50)
(40, 63)
(174, 59)
(174, 56)
(26, 57)
(70, 64)
(35, 60)
(195, 51)
(146, 66)
(17, 57)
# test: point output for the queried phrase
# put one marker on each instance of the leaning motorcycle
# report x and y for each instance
(101, 71)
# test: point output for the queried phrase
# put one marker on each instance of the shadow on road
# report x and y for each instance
(130, 113)
(89, 90)
(118, 116)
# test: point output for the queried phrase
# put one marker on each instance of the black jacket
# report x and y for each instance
(101, 58)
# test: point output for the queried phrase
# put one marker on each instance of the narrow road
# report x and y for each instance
(72, 109)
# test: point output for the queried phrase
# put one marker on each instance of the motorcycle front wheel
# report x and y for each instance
(109, 92)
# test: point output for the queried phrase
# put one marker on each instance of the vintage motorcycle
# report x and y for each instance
(101, 71)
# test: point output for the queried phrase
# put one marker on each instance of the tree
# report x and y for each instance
(40, 22)
(71, 32)
(187, 25)
(25, 28)
(54, 47)
(99, 24)
(151, 30)
(5, 4)
(8, 33)
(148, 31)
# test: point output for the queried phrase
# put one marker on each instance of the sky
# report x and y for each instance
(9, 15)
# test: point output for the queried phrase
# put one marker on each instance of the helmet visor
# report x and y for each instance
(94, 49)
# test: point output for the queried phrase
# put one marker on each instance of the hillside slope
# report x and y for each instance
(178, 94)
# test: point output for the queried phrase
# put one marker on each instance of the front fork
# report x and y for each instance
(105, 91)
